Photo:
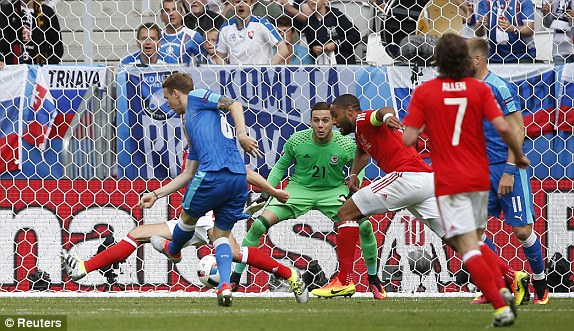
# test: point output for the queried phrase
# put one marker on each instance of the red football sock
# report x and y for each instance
(113, 254)
(347, 239)
(493, 261)
(507, 272)
(260, 260)
(483, 279)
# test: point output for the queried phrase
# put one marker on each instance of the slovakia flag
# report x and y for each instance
(12, 97)
(44, 113)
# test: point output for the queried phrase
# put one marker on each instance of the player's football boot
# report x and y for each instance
(257, 204)
(503, 317)
(235, 279)
(376, 288)
(544, 300)
(160, 245)
(510, 301)
(224, 296)
(520, 287)
(73, 266)
(479, 300)
(335, 289)
(298, 286)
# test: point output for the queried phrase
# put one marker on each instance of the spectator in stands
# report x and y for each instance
(178, 41)
(209, 46)
(468, 13)
(216, 6)
(509, 27)
(299, 53)
(330, 35)
(200, 18)
(29, 33)
(298, 9)
(148, 40)
(249, 39)
(558, 17)
(262, 8)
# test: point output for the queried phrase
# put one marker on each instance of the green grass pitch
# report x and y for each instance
(254, 314)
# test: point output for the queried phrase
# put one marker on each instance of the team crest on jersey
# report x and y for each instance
(334, 159)
(233, 37)
(250, 34)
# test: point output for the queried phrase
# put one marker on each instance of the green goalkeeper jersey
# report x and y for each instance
(316, 166)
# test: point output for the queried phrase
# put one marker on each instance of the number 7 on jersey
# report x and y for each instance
(461, 103)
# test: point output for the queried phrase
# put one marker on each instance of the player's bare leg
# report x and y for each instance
(182, 233)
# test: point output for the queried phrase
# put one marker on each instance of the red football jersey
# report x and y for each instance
(453, 112)
(386, 146)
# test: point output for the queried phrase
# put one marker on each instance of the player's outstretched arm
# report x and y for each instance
(236, 109)
(287, 158)
(256, 179)
(148, 199)
(509, 138)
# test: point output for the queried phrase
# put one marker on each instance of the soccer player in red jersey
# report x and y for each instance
(451, 108)
(408, 182)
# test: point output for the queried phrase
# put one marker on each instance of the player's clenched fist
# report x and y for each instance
(281, 195)
(353, 183)
(147, 200)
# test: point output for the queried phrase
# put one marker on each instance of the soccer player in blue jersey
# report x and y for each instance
(510, 187)
(214, 170)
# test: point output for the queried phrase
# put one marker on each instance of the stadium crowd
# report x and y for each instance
(251, 32)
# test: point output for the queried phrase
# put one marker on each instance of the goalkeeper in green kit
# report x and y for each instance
(319, 156)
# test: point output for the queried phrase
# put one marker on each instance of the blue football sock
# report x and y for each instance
(224, 257)
(489, 242)
(533, 252)
(182, 233)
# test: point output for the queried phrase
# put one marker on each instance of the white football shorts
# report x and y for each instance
(399, 190)
(200, 237)
(463, 212)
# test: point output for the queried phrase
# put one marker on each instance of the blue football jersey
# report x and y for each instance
(506, 96)
(185, 45)
(211, 137)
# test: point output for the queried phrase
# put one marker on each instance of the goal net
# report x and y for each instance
(82, 140)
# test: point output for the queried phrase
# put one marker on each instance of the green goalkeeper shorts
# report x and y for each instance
(301, 200)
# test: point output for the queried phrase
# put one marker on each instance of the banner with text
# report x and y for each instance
(40, 217)
(52, 97)
(276, 102)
